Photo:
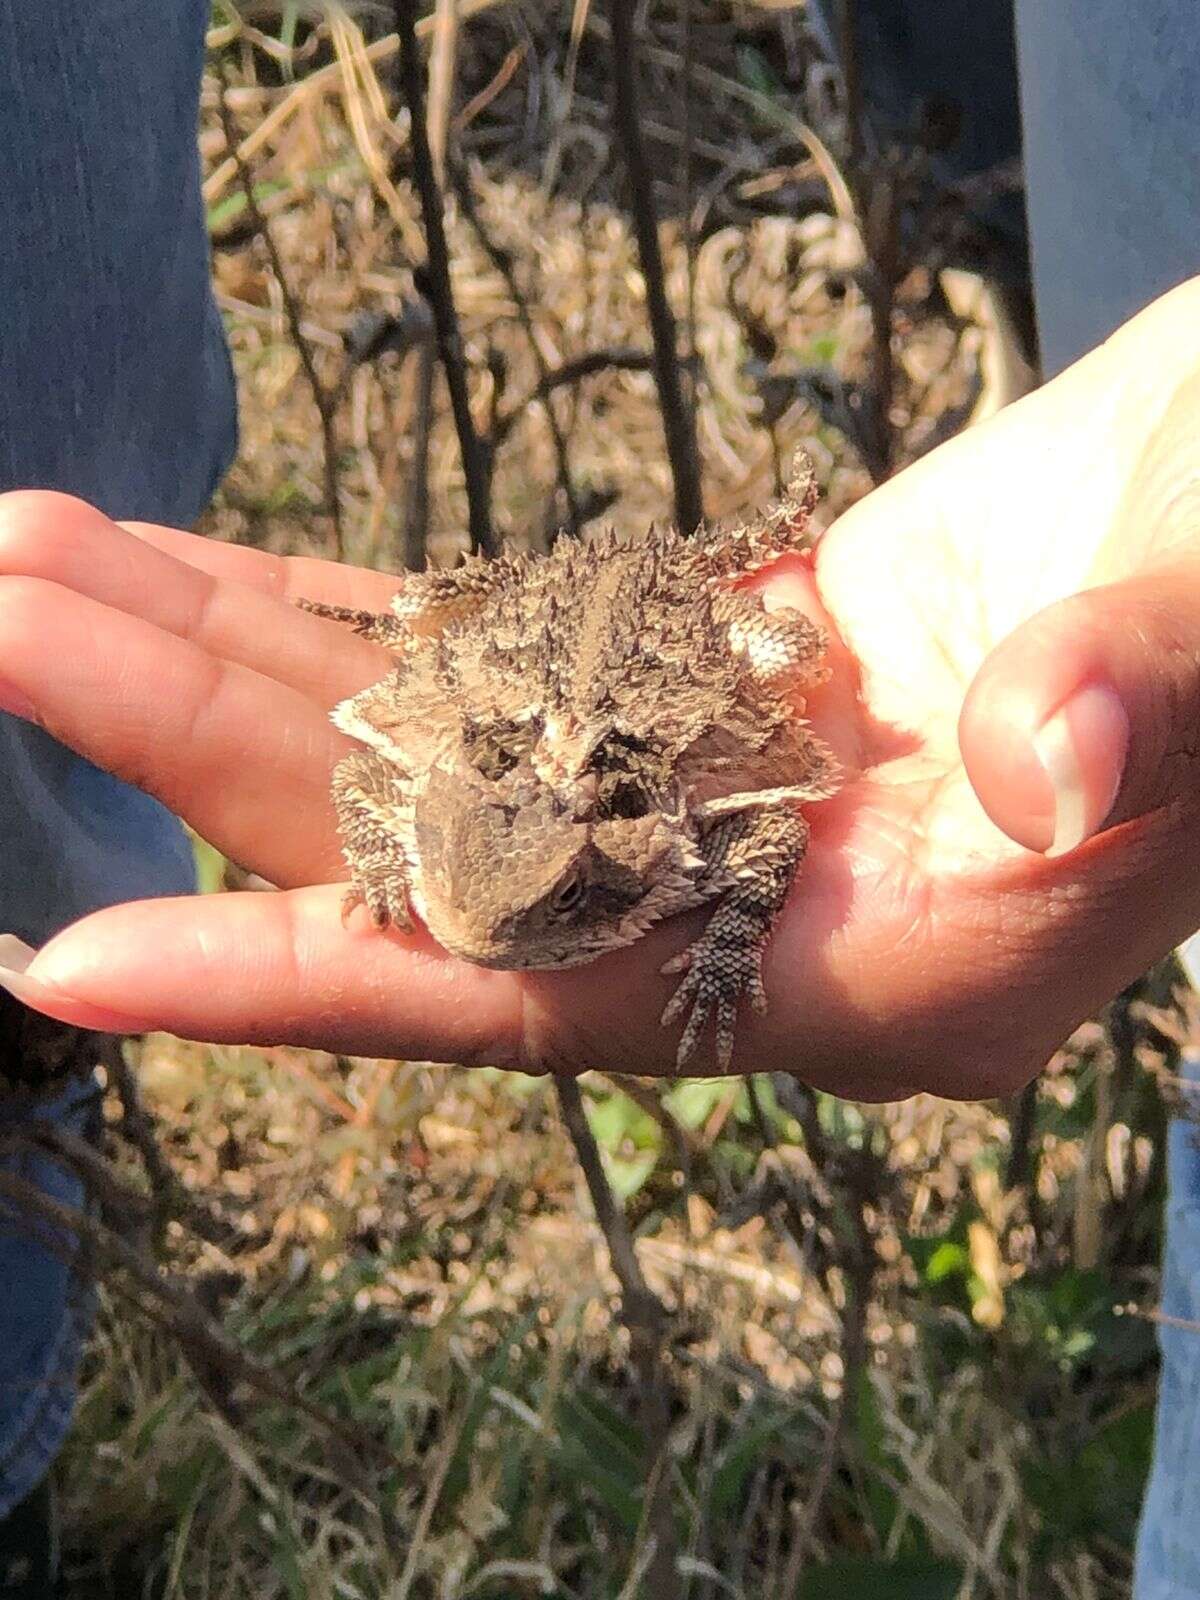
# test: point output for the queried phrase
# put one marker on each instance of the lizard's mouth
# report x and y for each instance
(527, 960)
(516, 954)
(520, 948)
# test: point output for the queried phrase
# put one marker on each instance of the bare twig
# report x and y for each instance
(1022, 1116)
(502, 261)
(859, 1175)
(416, 509)
(646, 1319)
(479, 103)
(121, 1205)
(170, 1197)
(639, 1302)
(442, 56)
(1161, 1319)
(847, 26)
(434, 282)
(679, 424)
(571, 372)
(323, 398)
(880, 197)
(686, 39)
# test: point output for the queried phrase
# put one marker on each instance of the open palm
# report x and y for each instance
(922, 947)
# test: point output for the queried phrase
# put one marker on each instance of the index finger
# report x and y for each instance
(285, 577)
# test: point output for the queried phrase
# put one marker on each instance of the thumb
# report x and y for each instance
(1089, 713)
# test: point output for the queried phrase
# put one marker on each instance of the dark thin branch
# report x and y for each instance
(416, 509)
(117, 1202)
(323, 398)
(639, 1302)
(1022, 1118)
(880, 205)
(859, 1173)
(571, 372)
(502, 261)
(434, 283)
(678, 421)
(171, 1198)
(687, 60)
(847, 44)
(646, 1319)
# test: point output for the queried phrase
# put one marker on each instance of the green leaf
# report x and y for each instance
(629, 1138)
(627, 1174)
(741, 1455)
(231, 207)
(1096, 1490)
(823, 350)
(864, 1578)
(947, 1260)
(693, 1102)
(210, 866)
(600, 1450)
(754, 71)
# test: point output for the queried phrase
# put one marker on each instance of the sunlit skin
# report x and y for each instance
(927, 943)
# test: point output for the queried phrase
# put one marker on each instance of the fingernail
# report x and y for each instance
(15, 703)
(15, 954)
(1082, 749)
(15, 957)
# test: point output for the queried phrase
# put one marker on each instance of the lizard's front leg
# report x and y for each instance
(755, 853)
(370, 798)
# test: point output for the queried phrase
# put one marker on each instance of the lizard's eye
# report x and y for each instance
(496, 749)
(567, 894)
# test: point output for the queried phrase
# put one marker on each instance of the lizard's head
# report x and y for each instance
(513, 874)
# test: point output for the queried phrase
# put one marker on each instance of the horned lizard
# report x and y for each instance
(572, 747)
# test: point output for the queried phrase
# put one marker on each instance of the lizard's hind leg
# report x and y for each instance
(372, 810)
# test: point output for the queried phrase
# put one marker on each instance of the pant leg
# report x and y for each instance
(46, 1307)
(1111, 103)
(1110, 95)
(115, 385)
(950, 64)
(1168, 1554)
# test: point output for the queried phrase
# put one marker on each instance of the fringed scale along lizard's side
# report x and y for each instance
(572, 747)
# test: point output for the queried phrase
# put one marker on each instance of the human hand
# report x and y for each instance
(921, 947)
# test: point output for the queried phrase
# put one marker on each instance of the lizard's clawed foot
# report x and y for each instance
(385, 899)
(718, 974)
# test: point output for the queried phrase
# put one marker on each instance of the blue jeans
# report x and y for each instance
(1169, 1545)
(115, 385)
(1109, 97)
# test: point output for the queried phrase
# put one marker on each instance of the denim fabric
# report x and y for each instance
(1110, 99)
(953, 63)
(1110, 112)
(1110, 95)
(115, 385)
(1168, 1565)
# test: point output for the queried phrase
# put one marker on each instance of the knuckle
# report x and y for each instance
(38, 525)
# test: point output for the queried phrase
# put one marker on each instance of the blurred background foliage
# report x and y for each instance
(888, 1350)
